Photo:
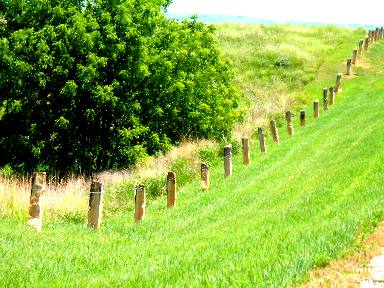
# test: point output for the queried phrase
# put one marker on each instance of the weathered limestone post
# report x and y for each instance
(263, 148)
(338, 82)
(349, 67)
(354, 56)
(228, 160)
(325, 98)
(366, 43)
(275, 133)
(139, 202)
(303, 117)
(204, 176)
(331, 96)
(361, 43)
(316, 112)
(371, 38)
(95, 211)
(35, 210)
(288, 117)
(171, 189)
(246, 150)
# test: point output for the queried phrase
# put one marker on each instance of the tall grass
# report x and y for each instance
(68, 199)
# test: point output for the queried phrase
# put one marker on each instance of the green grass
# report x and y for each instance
(274, 63)
(303, 203)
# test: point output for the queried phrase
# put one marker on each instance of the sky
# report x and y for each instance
(325, 11)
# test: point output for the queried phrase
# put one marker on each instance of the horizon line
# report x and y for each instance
(255, 20)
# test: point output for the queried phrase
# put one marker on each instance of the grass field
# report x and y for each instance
(267, 89)
(305, 202)
(274, 63)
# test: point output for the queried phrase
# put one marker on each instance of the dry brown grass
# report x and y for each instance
(71, 197)
(57, 199)
(154, 167)
(353, 268)
(260, 114)
(364, 63)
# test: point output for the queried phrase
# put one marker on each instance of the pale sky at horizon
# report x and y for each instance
(327, 11)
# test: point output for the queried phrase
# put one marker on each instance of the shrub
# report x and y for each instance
(95, 85)
(208, 155)
(119, 198)
(185, 170)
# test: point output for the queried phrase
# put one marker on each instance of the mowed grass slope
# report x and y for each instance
(303, 203)
(273, 63)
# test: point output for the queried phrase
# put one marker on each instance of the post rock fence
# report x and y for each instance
(97, 188)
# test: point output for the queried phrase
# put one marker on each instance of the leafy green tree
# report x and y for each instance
(89, 86)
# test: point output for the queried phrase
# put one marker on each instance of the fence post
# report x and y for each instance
(349, 67)
(275, 133)
(95, 210)
(288, 117)
(316, 112)
(331, 96)
(366, 43)
(325, 98)
(228, 160)
(361, 43)
(303, 117)
(35, 210)
(371, 39)
(338, 82)
(377, 34)
(246, 150)
(263, 148)
(171, 189)
(204, 176)
(139, 202)
(354, 56)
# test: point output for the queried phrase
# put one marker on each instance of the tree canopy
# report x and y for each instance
(89, 86)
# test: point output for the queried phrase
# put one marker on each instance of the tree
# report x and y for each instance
(89, 86)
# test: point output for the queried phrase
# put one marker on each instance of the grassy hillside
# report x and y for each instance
(303, 203)
(274, 63)
(267, 90)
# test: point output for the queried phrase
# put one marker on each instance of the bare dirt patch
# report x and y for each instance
(364, 63)
(353, 268)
